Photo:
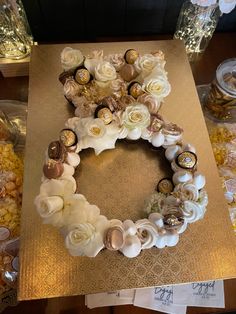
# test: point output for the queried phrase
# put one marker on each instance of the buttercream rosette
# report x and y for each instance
(107, 111)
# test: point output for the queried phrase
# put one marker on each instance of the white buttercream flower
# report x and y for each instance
(71, 58)
(136, 116)
(95, 134)
(153, 104)
(93, 60)
(104, 72)
(186, 191)
(192, 211)
(146, 63)
(86, 229)
(157, 86)
(147, 233)
(71, 88)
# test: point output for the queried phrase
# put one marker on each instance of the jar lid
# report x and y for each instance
(226, 76)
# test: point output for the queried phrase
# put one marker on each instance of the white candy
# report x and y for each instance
(68, 170)
(172, 151)
(129, 227)
(175, 167)
(182, 176)
(73, 159)
(157, 139)
(199, 180)
(131, 247)
(48, 205)
(134, 134)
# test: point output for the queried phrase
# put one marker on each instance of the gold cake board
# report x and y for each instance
(118, 181)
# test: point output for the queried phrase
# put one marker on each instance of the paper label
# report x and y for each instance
(206, 294)
(159, 299)
(110, 298)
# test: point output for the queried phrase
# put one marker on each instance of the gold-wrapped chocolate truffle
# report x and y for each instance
(165, 186)
(104, 113)
(135, 89)
(186, 160)
(68, 137)
(131, 56)
(82, 76)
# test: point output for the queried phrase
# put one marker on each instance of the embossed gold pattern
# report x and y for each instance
(118, 181)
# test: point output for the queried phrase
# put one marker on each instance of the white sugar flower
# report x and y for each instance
(93, 60)
(157, 86)
(135, 118)
(71, 58)
(105, 71)
(86, 229)
(95, 134)
(146, 63)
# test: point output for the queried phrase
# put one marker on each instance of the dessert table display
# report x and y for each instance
(119, 181)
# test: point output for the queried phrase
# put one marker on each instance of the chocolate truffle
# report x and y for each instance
(135, 89)
(53, 169)
(173, 221)
(65, 75)
(128, 72)
(68, 138)
(186, 160)
(131, 56)
(82, 76)
(57, 151)
(165, 186)
(104, 113)
(114, 238)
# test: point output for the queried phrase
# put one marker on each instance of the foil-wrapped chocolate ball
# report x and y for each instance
(57, 151)
(53, 169)
(104, 113)
(173, 221)
(114, 238)
(186, 160)
(135, 89)
(165, 186)
(131, 56)
(82, 76)
(68, 137)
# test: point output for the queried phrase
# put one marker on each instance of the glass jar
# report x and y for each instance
(196, 25)
(15, 36)
(220, 103)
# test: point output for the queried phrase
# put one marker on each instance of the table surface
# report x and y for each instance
(221, 47)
